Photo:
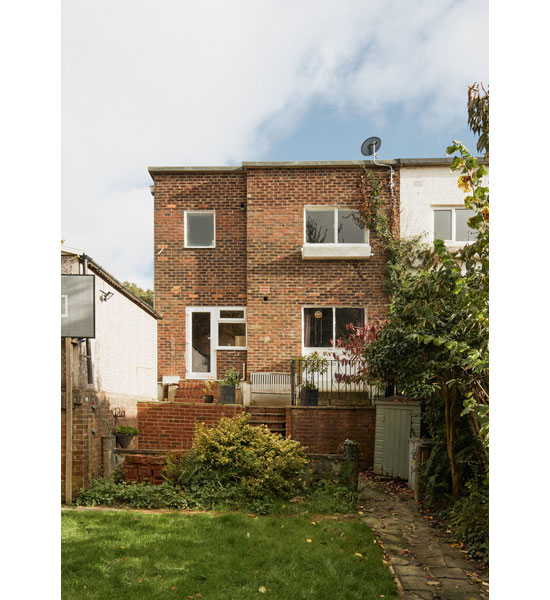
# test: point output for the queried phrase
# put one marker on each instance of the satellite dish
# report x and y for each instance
(371, 146)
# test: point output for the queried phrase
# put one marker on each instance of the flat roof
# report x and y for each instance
(404, 162)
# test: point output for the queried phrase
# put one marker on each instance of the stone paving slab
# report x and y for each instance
(424, 565)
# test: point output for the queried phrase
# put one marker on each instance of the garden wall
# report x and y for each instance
(324, 429)
(171, 425)
(143, 467)
(92, 418)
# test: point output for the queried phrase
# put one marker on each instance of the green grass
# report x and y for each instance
(128, 554)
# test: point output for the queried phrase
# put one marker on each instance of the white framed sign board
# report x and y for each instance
(78, 306)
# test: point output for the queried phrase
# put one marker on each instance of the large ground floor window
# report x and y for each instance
(322, 326)
(209, 329)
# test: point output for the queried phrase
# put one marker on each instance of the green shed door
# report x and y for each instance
(395, 449)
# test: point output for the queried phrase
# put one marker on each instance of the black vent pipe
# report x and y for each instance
(88, 345)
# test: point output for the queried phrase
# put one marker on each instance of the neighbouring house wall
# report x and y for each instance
(124, 349)
(197, 276)
(124, 370)
(421, 189)
(276, 270)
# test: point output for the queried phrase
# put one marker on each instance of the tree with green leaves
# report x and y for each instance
(434, 343)
(146, 295)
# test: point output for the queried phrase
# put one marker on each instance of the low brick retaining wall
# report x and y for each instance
(148, 466)
(323, 429)
(171, 425)
(144, 467)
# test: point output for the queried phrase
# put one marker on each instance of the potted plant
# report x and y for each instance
(124, 435)
(311, 364)
(231, 381)
(207, 388)
(309, 394)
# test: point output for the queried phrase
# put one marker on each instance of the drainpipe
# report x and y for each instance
(68, 421)
(88, 345)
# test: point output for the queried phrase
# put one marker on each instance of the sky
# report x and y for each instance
(148, 83)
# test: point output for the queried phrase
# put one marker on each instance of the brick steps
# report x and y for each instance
(274, 418)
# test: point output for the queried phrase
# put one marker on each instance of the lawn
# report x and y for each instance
(116, 555)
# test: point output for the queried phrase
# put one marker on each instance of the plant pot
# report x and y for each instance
(124, 439)
(208, 399)
(309, 397)
(226, 394)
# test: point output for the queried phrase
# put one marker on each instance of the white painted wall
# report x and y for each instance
(124, 351)
(421, 189)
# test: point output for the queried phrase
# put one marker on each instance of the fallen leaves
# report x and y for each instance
(262, 589)
(308, 541)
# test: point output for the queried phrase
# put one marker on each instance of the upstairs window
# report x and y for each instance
(200, 229)
(322, 326)
(451, 225)
(332, 225)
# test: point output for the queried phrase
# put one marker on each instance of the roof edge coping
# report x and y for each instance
(405, 162)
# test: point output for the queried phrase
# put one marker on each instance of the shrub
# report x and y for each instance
(235, 461)
(469, 519)
(136, 495)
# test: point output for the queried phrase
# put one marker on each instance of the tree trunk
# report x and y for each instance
(450, 398)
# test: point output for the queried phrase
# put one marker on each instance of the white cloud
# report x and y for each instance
(171, 82)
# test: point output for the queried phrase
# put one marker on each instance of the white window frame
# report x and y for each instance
(453, 210)
(215, 319)
(231, 320)
(335, 210)
(185, 222)
(323, 349)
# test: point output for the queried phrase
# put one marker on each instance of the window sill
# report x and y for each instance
(335, 251)
(453, 246)
(231, 348)
(197, 247)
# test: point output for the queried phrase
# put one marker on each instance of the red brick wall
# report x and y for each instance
(171, 425)
(323, 430)
(142, 467)
(197, 277)
(275, 235)
(89, 425)
(258, 255)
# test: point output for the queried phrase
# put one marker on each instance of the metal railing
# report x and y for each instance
(324, 381)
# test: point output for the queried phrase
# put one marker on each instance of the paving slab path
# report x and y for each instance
(425, 565)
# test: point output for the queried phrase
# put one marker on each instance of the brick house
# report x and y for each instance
(259, 264)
